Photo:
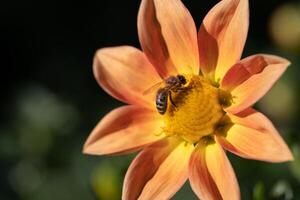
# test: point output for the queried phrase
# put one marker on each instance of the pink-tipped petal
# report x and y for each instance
(168, 37)
(253, 136)
(222, 37)
(211, 174)
(251, 78)
(124, 130)
(125, 73)
(158, 172)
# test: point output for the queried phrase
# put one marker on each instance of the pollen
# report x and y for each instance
(196, 110)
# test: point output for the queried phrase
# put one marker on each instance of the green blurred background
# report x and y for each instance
(50, 100)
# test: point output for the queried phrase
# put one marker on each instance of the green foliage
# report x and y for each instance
(259, 191)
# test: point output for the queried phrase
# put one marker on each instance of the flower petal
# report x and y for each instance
(123, 130)
(159, 171)
(222, 37)
(125, 73)
(211, 174)
(253, 136)
(251, 78)
(168, 37)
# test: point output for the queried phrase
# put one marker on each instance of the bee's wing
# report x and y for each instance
(153, 88)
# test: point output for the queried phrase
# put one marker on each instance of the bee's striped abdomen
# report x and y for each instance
(162, 100)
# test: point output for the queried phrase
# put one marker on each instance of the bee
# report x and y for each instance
(164, 93)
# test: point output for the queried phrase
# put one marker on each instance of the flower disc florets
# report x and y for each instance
(197, 110)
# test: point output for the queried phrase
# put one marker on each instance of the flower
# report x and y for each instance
(208, 112)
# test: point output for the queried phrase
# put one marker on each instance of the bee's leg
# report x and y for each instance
(172, 102)
(184, 88)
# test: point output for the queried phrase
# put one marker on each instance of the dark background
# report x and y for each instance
(50, 100)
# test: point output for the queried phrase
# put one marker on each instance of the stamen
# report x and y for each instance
(199, 108)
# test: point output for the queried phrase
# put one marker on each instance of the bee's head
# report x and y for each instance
(182, 79)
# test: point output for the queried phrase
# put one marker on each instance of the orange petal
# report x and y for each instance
(123, 130)
(222, 37)
(253, 136)
(168, 37)
(211, 174)
(251, 78)
(125, 73)
(159, 171)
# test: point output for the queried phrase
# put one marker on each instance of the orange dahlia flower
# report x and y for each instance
(208, 112)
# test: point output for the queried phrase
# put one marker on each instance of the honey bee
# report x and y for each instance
(171, 84)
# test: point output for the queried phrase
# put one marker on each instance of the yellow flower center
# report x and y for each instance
(197, 110)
